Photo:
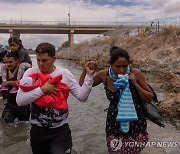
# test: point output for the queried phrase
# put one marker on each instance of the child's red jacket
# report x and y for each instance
(59, 101)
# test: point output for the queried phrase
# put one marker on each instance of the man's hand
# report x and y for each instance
(5, 84)
(49, 89)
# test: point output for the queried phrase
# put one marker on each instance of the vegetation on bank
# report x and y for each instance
(156, 54)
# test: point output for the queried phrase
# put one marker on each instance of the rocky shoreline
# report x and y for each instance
(157, 55)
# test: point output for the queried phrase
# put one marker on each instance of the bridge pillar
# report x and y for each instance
(14, 33)
(71, 38)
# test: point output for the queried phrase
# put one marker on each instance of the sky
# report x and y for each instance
(82, 10)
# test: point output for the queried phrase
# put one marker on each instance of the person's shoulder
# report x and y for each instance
(103, 72)
(22, 50)
(60, 69)
(136, 71)
(32, 70)
(63, 71)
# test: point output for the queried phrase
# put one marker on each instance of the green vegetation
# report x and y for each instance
(65, 44)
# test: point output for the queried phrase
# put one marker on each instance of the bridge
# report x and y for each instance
(15, 28)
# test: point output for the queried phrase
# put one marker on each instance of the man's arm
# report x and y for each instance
(92, 65)
(81, 92)
(9, 83)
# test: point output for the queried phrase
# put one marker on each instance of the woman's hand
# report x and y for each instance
(90, 67)
(133, 78)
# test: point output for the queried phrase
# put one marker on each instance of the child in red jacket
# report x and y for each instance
(58, 101)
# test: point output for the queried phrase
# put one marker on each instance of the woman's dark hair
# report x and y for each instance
(20, 44)
(46, 48)
(116, 52)
(13, 39)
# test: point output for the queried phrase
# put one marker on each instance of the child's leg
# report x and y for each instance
(22, 68)
(4, 72)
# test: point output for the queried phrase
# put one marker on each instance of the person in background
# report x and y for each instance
(124, 88)
(12, 110)
(24, 59)
(50, 132)
(3, 52)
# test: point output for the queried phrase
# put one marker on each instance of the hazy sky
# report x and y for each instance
(82, 10)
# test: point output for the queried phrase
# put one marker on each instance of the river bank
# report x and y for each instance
(157, 55)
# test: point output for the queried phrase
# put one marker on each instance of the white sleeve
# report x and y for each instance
(25, 98)
(80, 93)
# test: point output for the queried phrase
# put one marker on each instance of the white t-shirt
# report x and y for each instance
(49, 117)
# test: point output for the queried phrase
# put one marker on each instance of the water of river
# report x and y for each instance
(87, 122)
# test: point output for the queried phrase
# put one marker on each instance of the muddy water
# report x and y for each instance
(87, 122)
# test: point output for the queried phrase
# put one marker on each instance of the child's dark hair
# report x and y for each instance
(13, 40)
(13, 54)
(2, 54)
(46, 48)
(116, 52)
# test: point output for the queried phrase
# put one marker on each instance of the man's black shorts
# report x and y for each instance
(10, 114)
(51, 141)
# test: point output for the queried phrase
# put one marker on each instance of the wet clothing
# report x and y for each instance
(126, 109)
(61, 140)
(59, 101)
(49, 127)
(12, 110)
(10, 114)
(49, 117)
(117, 141)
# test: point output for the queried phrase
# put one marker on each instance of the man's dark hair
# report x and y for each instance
(46, 48)
(13, 54)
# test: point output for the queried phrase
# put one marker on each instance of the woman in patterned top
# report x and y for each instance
(126, 127)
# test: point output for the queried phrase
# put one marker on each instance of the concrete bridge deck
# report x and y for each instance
(15, 28)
